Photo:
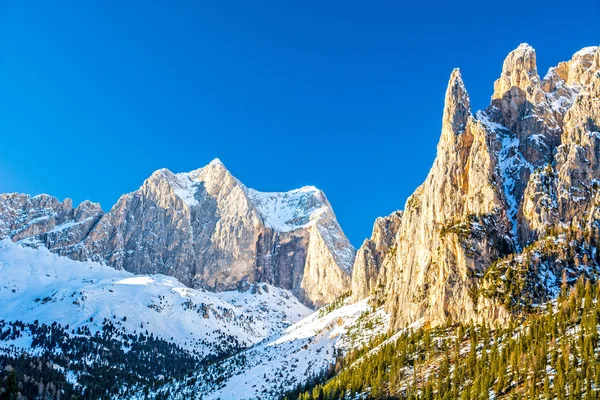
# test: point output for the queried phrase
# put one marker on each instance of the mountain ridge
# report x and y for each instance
(203, 227)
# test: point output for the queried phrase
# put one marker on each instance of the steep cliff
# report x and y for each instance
(372, 256)
(453, 226)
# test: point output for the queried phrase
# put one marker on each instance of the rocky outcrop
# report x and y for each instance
(372, 255)
(578, 157)
(525, 127)
(563, 188)
(204, 227)
(44, 219)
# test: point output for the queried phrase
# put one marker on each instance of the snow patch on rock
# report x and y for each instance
(288, 211)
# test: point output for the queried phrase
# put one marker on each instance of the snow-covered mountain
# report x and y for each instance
(204, 228)
(41, 286)
(189, 270)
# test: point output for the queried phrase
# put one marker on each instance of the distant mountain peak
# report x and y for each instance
(203, 227)
(216, 161)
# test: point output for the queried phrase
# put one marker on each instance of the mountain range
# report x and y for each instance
(508, 215)
(204, 228)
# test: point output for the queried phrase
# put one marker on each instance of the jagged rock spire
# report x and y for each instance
(457, 105)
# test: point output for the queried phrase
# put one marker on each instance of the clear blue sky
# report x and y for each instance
(343, 95)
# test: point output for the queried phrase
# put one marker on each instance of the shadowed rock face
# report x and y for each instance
(501, 178)
(204, 227)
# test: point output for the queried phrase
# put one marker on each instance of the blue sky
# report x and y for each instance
(346, 96)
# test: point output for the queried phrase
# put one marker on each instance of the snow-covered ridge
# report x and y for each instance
(587, 51)
(281, 211)
(38, 285)
(287, 211)
(303, 350)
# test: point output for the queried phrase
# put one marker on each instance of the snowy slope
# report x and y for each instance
(302, 351)
(287, 211)
(38, 285)
(268, 370)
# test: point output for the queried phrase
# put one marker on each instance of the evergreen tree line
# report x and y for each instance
(522, 281)
(107, 363)
(551, 353)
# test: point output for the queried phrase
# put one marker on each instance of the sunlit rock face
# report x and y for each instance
(453, 226)
(502, 178)
(203, 227)
(372, 256)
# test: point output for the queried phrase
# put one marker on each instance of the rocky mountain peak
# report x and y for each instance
(216, 161)
(457, 106)
(214, 178)
(582, 66)
(86, 210)
(214, 169)
(519, 73)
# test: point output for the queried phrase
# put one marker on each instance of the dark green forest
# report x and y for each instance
(551, 353)
(107, 363)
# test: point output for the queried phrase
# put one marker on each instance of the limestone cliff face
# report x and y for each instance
(372, 255)
(204, 227)
(562, 189)
(453, 226)
(578, 157)
(501, 179)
